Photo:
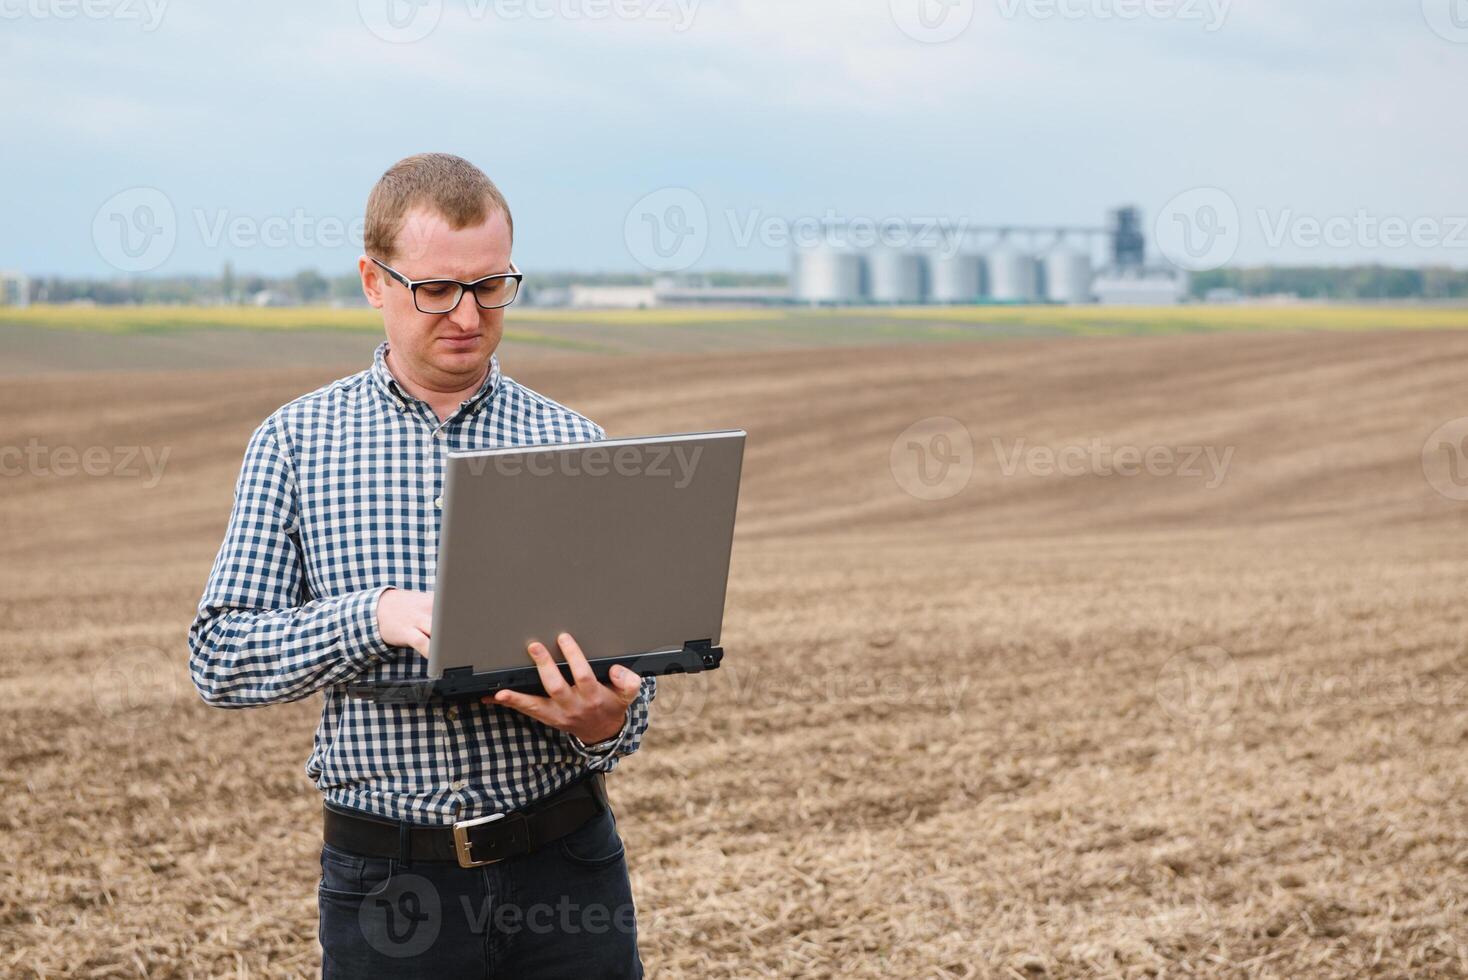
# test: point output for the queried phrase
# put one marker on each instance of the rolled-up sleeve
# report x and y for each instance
(256, 638)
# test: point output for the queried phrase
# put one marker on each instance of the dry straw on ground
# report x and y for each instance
(1063, 725)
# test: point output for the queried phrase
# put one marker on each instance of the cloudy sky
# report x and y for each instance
(162, 137)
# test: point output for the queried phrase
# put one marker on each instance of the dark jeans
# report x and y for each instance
(564, 910)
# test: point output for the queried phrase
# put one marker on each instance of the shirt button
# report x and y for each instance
(458, 785)
(438, 433)
(453, 712)
(438, 502)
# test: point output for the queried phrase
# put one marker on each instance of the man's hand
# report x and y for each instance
(587, 708)
(405, 619)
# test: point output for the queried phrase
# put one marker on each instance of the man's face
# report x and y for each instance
(440, 351)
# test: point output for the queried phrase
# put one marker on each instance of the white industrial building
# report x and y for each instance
(1145, 287)
(15, 289)
(828, 275)
(663, 292)
(1014, 276)
(1069, 277)
(895, 276)
(955, 277)
(613, 297)
(997, 264)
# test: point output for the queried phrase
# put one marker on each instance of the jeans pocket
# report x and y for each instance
(595, 844)
(352, 877)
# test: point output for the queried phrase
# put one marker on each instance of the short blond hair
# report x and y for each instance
(450, 185)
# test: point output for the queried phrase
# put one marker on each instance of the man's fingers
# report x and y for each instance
(420, 643)
(626, 682)
(527, 704)
(550, 672)
(576, 660)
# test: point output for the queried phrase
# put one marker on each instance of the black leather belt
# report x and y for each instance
(472, 843)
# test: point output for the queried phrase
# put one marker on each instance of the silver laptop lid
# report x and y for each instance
(623, 543)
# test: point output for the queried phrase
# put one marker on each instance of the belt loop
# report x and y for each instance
(405, 843)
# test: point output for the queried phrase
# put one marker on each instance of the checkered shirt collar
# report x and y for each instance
(385, 382)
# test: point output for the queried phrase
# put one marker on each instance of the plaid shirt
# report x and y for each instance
(339, 499)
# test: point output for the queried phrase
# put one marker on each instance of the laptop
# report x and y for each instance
(623, 543)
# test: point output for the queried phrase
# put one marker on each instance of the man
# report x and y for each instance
(325, 576)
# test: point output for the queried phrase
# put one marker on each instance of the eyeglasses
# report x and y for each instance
(443, 295)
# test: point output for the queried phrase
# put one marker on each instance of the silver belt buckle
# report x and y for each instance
(463, 845)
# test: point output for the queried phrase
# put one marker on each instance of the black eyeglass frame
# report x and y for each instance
(471, 287)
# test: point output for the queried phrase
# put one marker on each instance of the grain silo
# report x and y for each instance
(1014, 277)
(955, 278)
(826, 274)
(1068, 276)
(894, 276)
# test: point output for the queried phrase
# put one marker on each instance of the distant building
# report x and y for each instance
(1128, 241)
(1141, 287)
(986, 263)
(548, 296)
(674, 295)
(271, 297)
(614, 297)
(15, 289)
(665, 291)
